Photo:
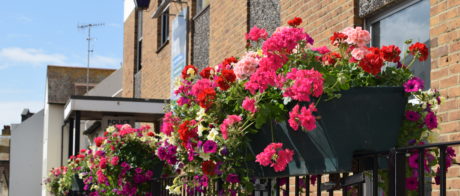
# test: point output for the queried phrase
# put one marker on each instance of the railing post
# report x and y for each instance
(421, 172)
(318, 185)
(344, 188)
(442, 166)
(400, 173)
(297, 189)
(307, 183)
(375, 176)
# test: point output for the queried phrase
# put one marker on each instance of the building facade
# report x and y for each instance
(215, 30)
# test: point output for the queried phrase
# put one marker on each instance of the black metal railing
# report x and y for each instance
(396, 163)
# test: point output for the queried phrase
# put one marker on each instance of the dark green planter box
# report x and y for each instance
(364, 119)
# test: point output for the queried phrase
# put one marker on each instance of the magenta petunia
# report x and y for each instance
(431, 121)
(412, 115)
(412, 183)
(413, 85)
(209, 146)
(233, 178)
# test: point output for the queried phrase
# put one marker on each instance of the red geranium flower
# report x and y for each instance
(296, 21)
(372, 63)
(390, 53)
(206, 97)
(207, 72)
(208, 168)
(330, 58)
(338, 38)
(419, 49)
(186, 132)
(225, 79)
(186, 72)
(151, 134)
(229, 75)
(98, 141)
(229, 61)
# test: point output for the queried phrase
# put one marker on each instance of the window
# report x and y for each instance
(408, 20)
(200, 5)
(138, 66)
(164, 27)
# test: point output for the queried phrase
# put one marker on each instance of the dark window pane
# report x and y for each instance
(413, 23)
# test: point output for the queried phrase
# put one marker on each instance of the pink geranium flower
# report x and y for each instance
(255, 34)
(357, 36)
(303, 116)
(249, 105)
(229, 121)
(359, 53)
(246, 66)
(275, 156)
(306, 83)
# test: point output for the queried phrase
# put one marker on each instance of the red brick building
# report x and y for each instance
(215, 30)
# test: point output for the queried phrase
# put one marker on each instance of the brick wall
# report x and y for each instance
(321, 18)
(156, 62)
(129, 44)
(228, 26)
(445, 58)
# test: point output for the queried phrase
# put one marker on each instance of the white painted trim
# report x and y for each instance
(135, 107)
(117, 93)
(129, 7)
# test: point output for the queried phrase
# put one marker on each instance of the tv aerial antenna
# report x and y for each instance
(89, 50)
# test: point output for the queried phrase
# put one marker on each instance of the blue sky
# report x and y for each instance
(34, 34)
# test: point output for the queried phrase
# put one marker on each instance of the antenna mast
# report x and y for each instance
(89, 38)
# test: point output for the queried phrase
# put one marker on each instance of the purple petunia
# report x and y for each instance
(431, 121)
(412, 115)
(233, 178)
(413, 85)
(209, 146)
(412, 183)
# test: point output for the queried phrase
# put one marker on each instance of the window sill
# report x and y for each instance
(162, 46)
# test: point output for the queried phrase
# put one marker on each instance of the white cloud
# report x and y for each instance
(11, 110)
(30, 56)
(104, 61)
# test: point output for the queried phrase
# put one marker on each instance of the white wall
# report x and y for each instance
(26, 156)
(53, 120)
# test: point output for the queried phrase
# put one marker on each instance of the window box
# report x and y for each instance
(364, 119)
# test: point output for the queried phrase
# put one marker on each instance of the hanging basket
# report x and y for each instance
(366, 119)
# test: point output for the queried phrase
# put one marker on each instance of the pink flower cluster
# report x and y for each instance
(168, 123)
(201, 85)
(229, 121)
(306, 83)
(261, 80)
(357, 36)
(304, 116)
(249, 105)
(256, 34)
(275, 156)
(283, 42)
(246, 66)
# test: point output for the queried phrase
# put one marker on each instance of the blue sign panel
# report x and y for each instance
(178, 48)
